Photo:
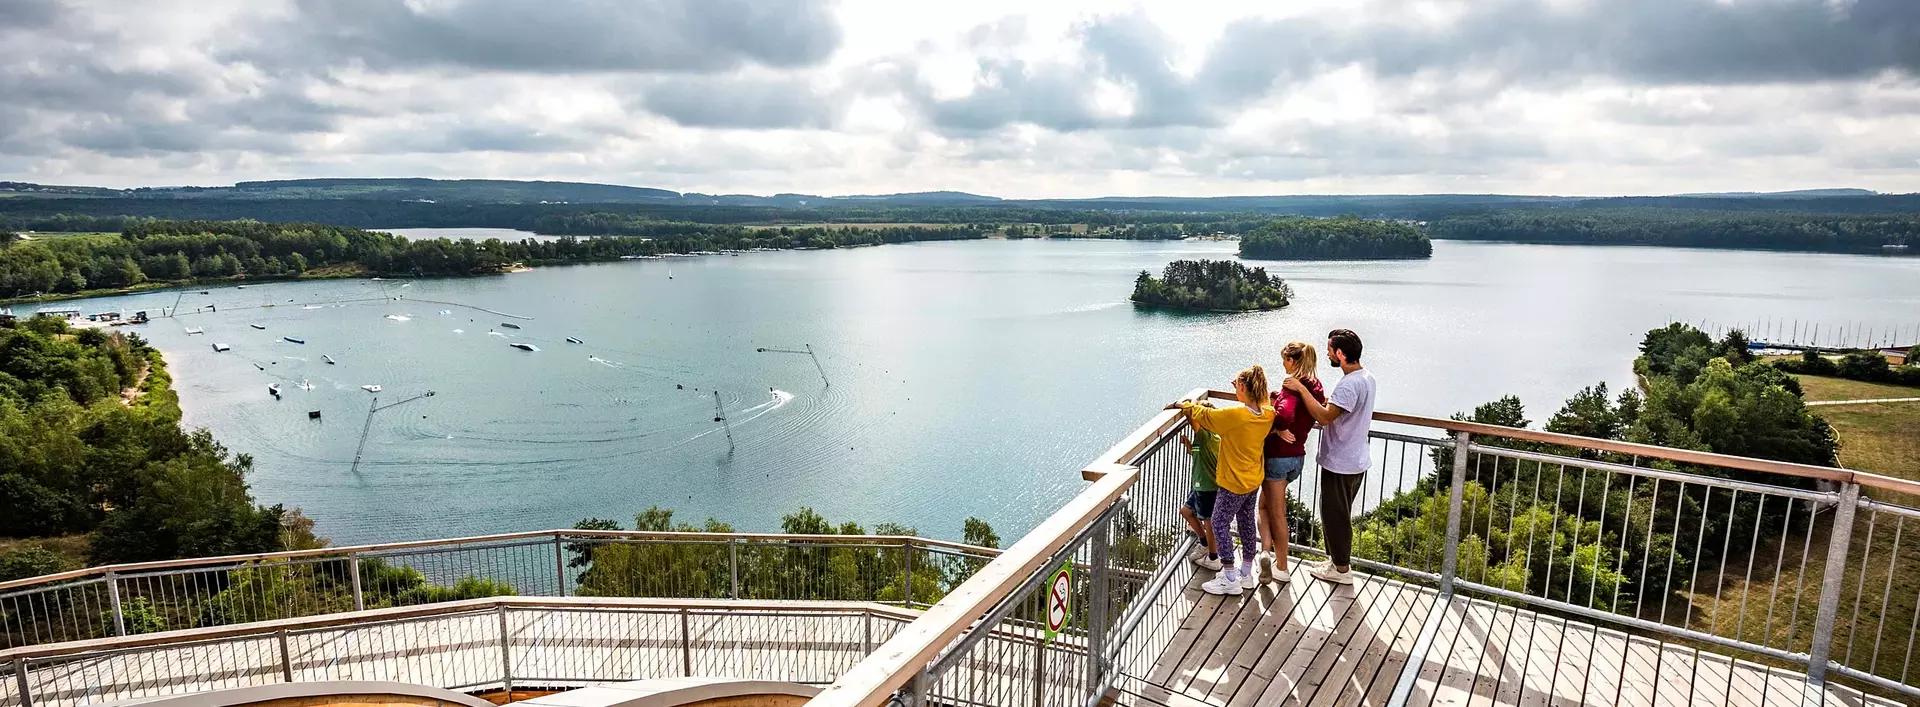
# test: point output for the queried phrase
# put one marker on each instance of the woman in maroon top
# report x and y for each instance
(1286, 453)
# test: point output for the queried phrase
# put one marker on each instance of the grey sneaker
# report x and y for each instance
(1211, 564)
(1332, 574)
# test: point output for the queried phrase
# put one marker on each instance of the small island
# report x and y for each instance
(1211, 286)
(1343, 238)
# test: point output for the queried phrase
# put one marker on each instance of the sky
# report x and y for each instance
(1061, 98)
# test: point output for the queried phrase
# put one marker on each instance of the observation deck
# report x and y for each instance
(1497, 566)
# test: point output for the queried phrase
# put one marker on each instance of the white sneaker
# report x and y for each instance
(1280, 576)
(1250, 575)
(1224, 583)
(1210, 564)
(1332, 574)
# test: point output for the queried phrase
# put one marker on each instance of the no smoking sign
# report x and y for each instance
(1059, 600)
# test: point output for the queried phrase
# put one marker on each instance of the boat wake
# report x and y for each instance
(495, 333)
(400, 317)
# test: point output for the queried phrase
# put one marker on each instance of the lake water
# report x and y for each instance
(966, 378)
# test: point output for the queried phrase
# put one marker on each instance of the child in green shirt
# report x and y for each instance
(1198, 510)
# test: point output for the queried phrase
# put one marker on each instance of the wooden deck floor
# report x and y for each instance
(1315, 644)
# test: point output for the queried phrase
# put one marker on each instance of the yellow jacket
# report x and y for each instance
(1243, 433)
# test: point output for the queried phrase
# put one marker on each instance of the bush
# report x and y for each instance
(1863, 366)
(31, 560)
(138, 614)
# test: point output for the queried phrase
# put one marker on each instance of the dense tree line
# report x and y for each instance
(1211, 285)
(77, 458)
(179, 251)
(1343, 238)
(1870, 366)
(1697, 394)
(1697, 229)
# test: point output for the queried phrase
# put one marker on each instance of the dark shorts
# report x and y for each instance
(1201, 503)
(1286, 469)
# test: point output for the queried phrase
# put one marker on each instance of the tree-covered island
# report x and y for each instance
(1343, 238)
(1211, 286)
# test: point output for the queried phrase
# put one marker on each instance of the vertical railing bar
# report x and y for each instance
(20, 679)
(1800, 584)
(733, 568)
(1840, 538)
(1553, 535)
(113, 599)
(1606, 499)
(559, 567)
(1673, 551)
(906, 594)
(1626, 528)
(1746, 585)
(359, 599)
(1579, 518)
(286, 656)
(1097, 601)
(1913, 629)
(1450, 557)
(506, 655)
(686, 645)
(1699, 546)
(1893, 563)
(1726, 546)
(1860, 586)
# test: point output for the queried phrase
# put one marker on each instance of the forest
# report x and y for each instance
(1687, 228)
(91, 443)
(1211, 286)
(1343, 238)
(192, 251)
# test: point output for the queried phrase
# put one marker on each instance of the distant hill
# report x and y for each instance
(1795, 194)
(488, 191)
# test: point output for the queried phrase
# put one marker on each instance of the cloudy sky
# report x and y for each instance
(1192, 97)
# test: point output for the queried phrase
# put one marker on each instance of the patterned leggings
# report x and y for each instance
(1234, 508)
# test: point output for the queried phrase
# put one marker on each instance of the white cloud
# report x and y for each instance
(1019, 99)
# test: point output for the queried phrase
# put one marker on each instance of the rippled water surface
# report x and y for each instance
(966, 378)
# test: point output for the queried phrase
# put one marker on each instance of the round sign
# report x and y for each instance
(1057, 601)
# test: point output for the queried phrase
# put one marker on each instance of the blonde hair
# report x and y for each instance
(1255, 381)
(1308, 362)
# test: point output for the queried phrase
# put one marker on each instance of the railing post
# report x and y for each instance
(1840, 540)
(686, 645)
(1450, 559)
(1097, 598)
(506, 655)
(20, 680)
(906, 593)
(1039, 673)
(733, 567)
(866, 633)
(113, 599)
(286, 657)
(359, 599)
(559, 566)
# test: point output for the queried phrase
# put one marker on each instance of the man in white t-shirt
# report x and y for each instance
(1344, 456)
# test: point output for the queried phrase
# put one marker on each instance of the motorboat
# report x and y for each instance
(293, 340)
(509, 325)
(328, 359)
(221, 348)
(574, 340)
(370, 388)
(195, 330)
(524, 347)
(274, 389)
(257, 326)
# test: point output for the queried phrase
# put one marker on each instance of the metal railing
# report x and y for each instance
(501, 643)
(149, 597)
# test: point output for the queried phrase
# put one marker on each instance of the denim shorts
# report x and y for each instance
(1201, 503)
(1285, 468)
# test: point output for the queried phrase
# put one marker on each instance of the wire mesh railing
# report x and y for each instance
(154, 597)
(488, 644)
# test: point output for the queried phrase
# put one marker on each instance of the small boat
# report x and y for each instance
(274, 388)
(293, 340)
(509, 325)
(257, 326)
(574, 340)
(240, 287)
(524, 347)
(195, 330)
(221, 348)
(328, 359)
(370, 388)
(313, 414)
(259, 366)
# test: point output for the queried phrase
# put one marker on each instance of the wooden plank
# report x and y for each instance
(1712, 675)
(1170, 611)
(1516, 658)
(1385, 667)
(1211, 636)
(1747, 685)
(1272, 655)
(1363, 627)
(1249, 611)
(1434, 662)
(1323, 626)
(1494, 665)
(1676, 675)
(1287, 597)
(1353, 671)
(1606, 667)
(1463, 663)
(1184, 637)
(1639, 672)
(1574, 661)
(1543, 659)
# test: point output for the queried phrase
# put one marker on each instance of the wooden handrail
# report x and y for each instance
(874, 679)
(258, 628)
(343, 552)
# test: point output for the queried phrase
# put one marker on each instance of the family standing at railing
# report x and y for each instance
(1244, 457)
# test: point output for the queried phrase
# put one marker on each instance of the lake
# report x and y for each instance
(965, 378)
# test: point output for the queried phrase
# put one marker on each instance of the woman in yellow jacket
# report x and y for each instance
(1239, 470)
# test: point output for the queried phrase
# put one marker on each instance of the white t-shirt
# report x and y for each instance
(1344, 444)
